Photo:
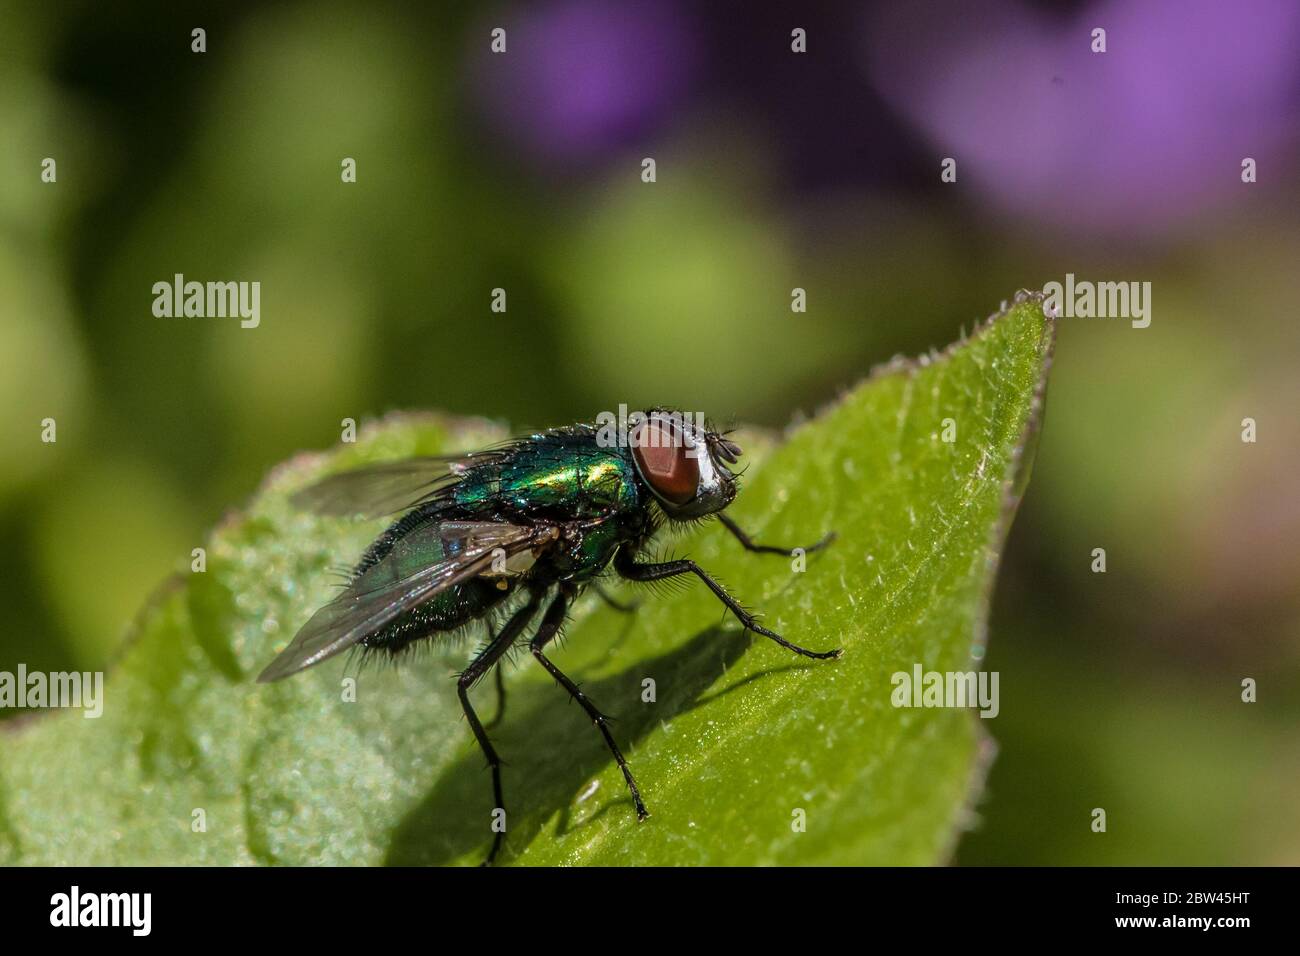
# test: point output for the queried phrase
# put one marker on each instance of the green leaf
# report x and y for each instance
(741, 733)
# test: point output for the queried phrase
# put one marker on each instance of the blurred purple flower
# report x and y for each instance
(1135, 139)
(582, 77)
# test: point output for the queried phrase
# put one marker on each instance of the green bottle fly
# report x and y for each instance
(497, 534)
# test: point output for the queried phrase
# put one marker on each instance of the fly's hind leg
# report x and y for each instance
(488, 656)
(499, 678)
(549, 627)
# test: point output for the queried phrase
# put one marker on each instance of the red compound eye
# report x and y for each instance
(661, 454)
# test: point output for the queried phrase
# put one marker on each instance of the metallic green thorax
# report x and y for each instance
(562, 477)
(565, 474)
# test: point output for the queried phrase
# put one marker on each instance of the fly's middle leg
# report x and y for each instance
(623, 607)
(549, 627)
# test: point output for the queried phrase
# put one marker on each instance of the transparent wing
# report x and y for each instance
(404, 578)
(386, 488)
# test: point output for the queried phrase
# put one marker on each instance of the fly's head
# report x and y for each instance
(684, 463)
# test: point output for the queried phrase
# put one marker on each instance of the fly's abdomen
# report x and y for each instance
(448, 611)
(398, 554)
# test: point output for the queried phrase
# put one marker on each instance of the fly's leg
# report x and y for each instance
(623, 607)
(550, 625)
(501, 697)
(477, 668)
(626, 564)
(748, 543)
(499, 676)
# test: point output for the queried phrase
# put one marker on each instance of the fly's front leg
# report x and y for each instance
(749, 545)
(625, 563)
(549, 627)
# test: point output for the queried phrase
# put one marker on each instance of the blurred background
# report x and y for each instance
(774, 170)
